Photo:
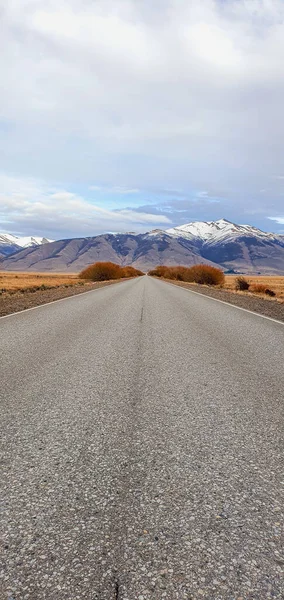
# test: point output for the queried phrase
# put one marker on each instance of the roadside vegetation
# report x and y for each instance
(22, 283)
(106, 271)
(202, 274)
(17, 282)
(265, 286)
(258, 284)
(242, 284)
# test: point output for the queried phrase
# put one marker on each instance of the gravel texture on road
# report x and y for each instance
(142, 454)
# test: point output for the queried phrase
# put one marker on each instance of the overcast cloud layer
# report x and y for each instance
(133, 114)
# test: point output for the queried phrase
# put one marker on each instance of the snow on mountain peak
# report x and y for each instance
(216, 231)
(156, 232)
(202, 229)
(22, 242)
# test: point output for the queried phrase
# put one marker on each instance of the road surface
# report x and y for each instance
(142, 450)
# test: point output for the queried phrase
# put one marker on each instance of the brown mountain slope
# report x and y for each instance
(142, 251)
(248, 255)
(253, 252)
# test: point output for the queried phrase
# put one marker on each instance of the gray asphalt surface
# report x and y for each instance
(142, 455)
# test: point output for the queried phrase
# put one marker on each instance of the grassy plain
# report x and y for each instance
(12, 282)
(273, 282)
(16, 281)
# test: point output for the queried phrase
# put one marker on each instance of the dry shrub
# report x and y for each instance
(101, 271)
(180, 273)
(207, 275)
(241, 284)
(159, 271)
(104, 271)
(130, 272)
(203, 274)
(258, 288)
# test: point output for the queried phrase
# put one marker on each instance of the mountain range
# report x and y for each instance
(9, 244)
(234, 248)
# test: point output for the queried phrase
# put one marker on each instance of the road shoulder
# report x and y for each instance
(267, 308)
(13, 303)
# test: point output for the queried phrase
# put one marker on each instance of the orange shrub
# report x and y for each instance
(130, 272)
(104, 271)
(258, 288)
(159, 271)
(179, 273)
(208, 275)
(101, 271)
(204, 274)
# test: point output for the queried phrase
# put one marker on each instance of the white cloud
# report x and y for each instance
(40, 209)
(213, 45)
(279, 220)
(120, 190)
(173, 94)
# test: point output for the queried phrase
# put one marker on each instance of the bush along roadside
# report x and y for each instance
(202, 274)
(106, 271)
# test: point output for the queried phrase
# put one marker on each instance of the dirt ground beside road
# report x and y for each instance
(15, 302)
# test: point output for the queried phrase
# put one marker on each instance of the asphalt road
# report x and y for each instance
(142, 456)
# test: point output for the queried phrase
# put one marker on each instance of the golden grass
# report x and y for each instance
(14, 281)
(273, 282)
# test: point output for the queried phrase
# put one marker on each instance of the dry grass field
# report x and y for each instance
(12, 282)
(273, 282)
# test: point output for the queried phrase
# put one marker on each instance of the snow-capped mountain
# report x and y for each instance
(23, 242)
(241, 248)
(234, 248)
(10, 243)
(215, 232)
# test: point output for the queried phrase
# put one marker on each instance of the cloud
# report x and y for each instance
(114, 189)
(170, 95)
(279, 220)
(31, 207)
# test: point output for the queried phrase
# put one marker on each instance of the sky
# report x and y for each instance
(130, 115)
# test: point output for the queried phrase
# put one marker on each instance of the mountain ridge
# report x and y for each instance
(10, 243)
(216, 230)
(232, 247)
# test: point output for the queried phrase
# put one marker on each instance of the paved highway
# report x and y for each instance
(142, 456)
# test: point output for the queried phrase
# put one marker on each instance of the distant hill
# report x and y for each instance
(240, 248)
(9, 244)
(235, 248)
